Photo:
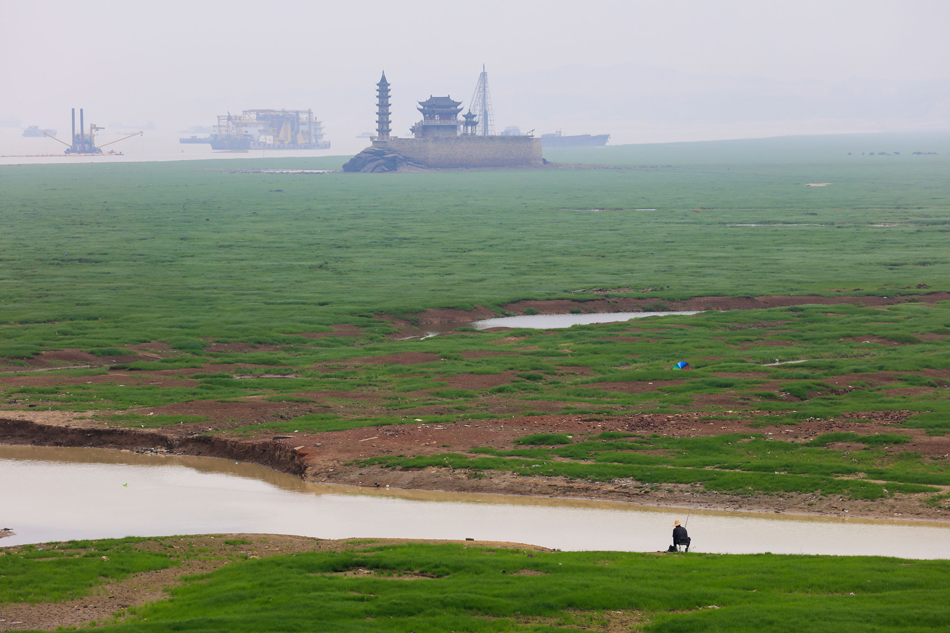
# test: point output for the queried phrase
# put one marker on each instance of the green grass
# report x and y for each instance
(229, 276)
(735, 464)
(63, 571)
(113, 255)
(604, 370)
(452, 587)
(103, 258)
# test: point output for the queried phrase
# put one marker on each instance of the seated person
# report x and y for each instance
(680, 537)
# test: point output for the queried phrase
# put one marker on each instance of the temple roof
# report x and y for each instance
(383, 82)
(440, 103)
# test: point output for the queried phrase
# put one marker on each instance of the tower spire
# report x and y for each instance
(382, 109)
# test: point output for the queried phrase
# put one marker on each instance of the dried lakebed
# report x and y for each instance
(58, 494)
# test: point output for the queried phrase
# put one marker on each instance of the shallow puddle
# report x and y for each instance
(544, 321)
(54, 494)
(554, 321)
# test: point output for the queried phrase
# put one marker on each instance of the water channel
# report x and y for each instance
(55, 494)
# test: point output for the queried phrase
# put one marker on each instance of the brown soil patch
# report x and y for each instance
(507, 339)
(406, 358)
(70, 356)
(445, 316)
(606, 621)
(929, 337)
(478, 381)
(476, 353)
(634, 386)
(347, 330)
(237, 348)
(747, 375)
(344, 330)
(909, 391)
(580, 371)
(766, 343)
(154, 346)
(716, 400)
(874, 340)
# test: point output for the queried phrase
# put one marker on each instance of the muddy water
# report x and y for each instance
(51, 494)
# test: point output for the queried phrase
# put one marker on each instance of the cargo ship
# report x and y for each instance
(580, 140)
(195, 139)
(34, 130)
(267, 129)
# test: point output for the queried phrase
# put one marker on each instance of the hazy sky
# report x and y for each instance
(642, 71)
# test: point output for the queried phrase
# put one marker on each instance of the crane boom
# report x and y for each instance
(56, 139)
(120, 139)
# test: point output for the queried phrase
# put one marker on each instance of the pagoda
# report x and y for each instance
(382, 109)
(439, 118)
(470, 126)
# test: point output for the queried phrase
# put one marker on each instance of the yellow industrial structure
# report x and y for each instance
(269, 129)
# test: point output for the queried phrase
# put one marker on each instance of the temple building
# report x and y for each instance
(437, 142)
(439, 118)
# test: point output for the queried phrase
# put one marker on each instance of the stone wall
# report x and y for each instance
(467, 151)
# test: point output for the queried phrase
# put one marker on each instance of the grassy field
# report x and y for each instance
(227, 266)
(368, 586)
(844, 359)
(185, 283)
(108, 255)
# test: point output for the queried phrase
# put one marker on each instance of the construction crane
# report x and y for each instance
(481, 106)
(84, 144)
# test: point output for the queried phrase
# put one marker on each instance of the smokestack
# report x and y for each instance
(73, 137)
(82, 131)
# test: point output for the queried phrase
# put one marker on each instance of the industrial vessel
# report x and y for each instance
(84, 143)
(34, 130)
(268, 129)
(579, 140)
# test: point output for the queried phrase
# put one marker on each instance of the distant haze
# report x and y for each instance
(641, 71)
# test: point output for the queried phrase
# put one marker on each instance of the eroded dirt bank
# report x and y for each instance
(73, 433)
(331, 457)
